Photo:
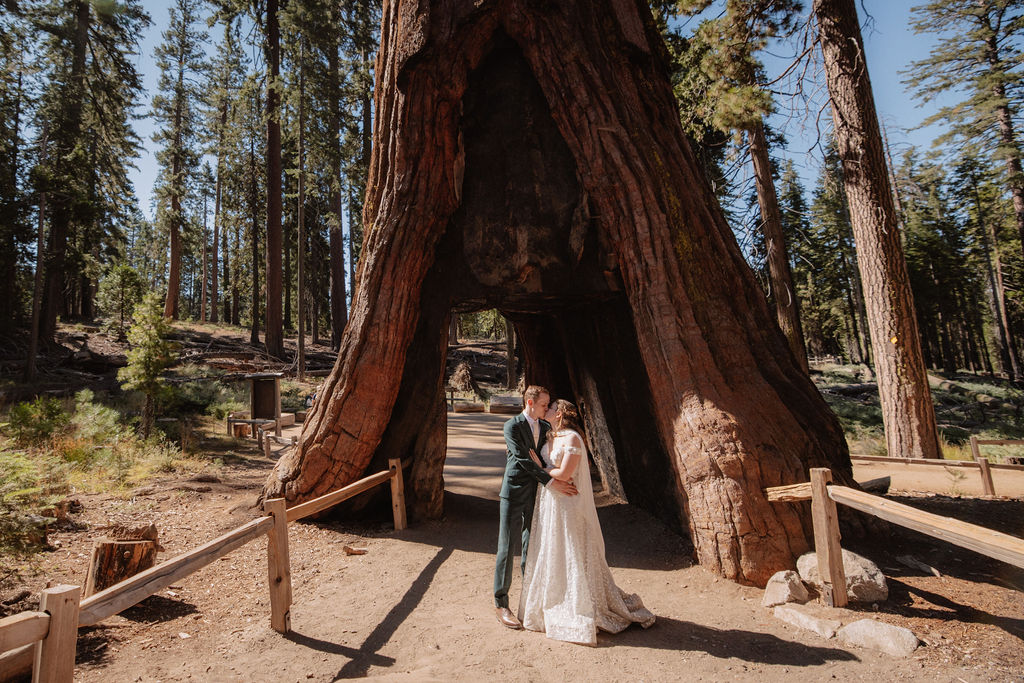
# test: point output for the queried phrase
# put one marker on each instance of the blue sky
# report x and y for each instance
(889, 42)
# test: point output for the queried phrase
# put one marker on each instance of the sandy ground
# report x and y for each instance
(418, 606)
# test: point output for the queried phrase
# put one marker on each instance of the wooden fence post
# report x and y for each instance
(54, 660)
(279, 572)
(826, 540)
(986, 474)
(397, 493)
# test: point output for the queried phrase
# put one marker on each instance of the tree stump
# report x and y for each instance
(123, 554)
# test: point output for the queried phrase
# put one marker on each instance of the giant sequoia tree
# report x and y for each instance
(529, 157)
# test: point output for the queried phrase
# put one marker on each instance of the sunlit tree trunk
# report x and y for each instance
(907, 409)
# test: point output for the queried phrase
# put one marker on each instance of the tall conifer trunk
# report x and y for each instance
(787, 310)
(339, 308)
(275, 330)
(530, 154)
(907, 409)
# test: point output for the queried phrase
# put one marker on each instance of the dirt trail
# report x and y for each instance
(417, 605)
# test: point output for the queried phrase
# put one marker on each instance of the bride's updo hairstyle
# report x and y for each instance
(570, 415)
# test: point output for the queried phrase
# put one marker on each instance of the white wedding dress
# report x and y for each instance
(568, 590)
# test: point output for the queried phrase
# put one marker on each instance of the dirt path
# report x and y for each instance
(417, 605)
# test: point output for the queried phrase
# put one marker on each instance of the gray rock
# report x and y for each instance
(875, 635)
(864, 580)
(826, 628)
(783, 587)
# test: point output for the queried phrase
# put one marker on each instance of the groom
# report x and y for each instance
(523, 433)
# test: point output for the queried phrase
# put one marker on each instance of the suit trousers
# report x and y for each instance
(515, 515)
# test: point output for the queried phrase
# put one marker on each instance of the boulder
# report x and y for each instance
(826, 628)
(875, 635)
(783, 587)
(864, 580)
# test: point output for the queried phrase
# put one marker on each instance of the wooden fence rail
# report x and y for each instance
(45, 640)
(980, 462)
(824, 497)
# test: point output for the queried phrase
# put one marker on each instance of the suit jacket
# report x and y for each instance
(521, 471)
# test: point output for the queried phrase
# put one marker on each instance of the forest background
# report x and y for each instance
(198, 149)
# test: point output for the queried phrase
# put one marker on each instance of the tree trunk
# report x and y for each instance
(1008, 140)
(510, 354)
(787, 310)
(907, 409)
(215, 254)
(300, 251)
(202, 300)
(236, 294)
(598, 221)
(339, 309)
(274, 331)
(254, 219)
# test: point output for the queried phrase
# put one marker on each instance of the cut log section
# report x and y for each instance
(116, 559)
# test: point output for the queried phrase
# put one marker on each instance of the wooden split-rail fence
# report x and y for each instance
(824, 496)
(44, 640)
(980, 462)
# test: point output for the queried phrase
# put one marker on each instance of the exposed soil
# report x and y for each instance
(417, 605)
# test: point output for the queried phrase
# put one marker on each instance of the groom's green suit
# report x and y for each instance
(518, 493)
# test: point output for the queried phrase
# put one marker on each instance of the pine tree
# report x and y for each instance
(16, 109)
(980, 52)
(907, 409)
(149, 354)
(180, 59)
(120, 290)
(976, 193)
(225, 77)
(85, 110)
(731, 97)
(833, 274)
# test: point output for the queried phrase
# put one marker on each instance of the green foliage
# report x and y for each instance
(37, 422)
(489, 324)
(120, 290)
(149, 354)
(30, 485)
(209, 396)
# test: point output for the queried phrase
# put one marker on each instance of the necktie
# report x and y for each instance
(535, 428)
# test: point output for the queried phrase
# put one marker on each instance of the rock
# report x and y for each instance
(875, 635)
(864, 580)
(783, 587)
(826, 628)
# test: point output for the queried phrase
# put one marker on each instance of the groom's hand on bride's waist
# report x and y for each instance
(566, 488)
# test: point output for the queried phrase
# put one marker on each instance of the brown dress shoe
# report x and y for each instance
(508, 619)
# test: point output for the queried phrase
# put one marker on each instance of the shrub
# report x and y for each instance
(36, 422)
(29, 485)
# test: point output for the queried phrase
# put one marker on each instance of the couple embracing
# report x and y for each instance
(568, 590)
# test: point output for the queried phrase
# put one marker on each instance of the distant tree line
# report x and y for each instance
(223, 244)
(264, 114)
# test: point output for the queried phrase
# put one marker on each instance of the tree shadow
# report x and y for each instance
(946, 609)
(749, 646)
(157, 609)
(365, 656)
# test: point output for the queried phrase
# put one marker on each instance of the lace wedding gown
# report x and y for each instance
(568, 590)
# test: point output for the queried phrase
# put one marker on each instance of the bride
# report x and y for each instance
(568, 590)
